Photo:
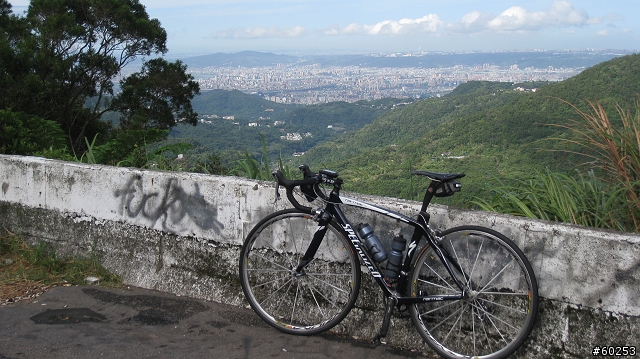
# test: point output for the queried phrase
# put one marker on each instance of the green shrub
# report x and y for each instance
(22, 134)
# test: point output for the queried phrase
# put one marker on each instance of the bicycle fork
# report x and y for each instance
(323, 221)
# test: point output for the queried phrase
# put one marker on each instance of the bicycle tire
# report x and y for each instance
(298, 304)
(501, 301)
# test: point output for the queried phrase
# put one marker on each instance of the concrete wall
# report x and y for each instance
(182, 232)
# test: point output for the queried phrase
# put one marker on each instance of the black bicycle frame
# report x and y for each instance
(421, 229)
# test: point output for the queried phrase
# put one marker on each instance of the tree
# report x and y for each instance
(64, 53)
(23, 134)
(13, 30)
(157, 96)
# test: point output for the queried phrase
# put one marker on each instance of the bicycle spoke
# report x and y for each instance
(316, 301)
(489, 315)
(503, 306)
(507, 294)
(276, 291)
(445, 319)
(256, 270)
(329, 284)
(459, 264)
(439, 308)
(521, 274)
(295, 302)
(435, 284)
(439, 276)
(473, 329)
(271, 261)
(486, 335)
(496, 276)
(316, 274)
(273, 281)
(460, 326)
(474, 263)
(498, 330)
(454, 324)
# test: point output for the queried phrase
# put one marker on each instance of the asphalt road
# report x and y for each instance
(94, 322)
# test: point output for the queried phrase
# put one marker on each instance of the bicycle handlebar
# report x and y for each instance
(311, 179)
(442, 185)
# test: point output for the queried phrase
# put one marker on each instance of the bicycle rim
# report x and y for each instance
(501, 301)
(302, 304)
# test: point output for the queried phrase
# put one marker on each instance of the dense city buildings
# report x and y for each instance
(313, 84)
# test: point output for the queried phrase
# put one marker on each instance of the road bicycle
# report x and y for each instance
(470, 291)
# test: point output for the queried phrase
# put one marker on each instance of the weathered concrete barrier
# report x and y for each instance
(182, 232)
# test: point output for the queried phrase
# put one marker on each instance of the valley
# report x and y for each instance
(493, 131)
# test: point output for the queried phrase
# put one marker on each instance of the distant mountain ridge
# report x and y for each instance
(244, 59)
(538, 59)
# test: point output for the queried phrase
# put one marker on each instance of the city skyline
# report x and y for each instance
(312, 84)
(289, 26)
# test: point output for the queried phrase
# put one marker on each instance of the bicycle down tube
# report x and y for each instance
(420, 230)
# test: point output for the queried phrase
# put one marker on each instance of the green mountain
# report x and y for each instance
(235, 103)
(233, 121)
(487, 130)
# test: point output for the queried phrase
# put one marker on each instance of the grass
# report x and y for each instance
(249, 167)
(26, 272)
(580, 199)
(607, 195)
(614, 148)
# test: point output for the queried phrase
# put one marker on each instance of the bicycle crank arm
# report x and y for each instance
(391, 304)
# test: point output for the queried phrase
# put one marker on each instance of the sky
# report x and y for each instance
(198, 27)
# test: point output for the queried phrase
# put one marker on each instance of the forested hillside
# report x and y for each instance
(253, 116)
(234, 103)
(487, 130)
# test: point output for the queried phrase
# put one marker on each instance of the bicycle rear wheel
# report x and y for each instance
(298, 303)
(501, 295)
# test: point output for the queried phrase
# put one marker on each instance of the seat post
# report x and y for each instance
(428, 195)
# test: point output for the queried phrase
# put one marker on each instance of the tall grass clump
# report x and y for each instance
(604, 195)
(614, 151)
(250, 167)
(580, 199)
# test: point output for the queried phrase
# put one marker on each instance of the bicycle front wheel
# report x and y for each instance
(298, 303)
(500, 301)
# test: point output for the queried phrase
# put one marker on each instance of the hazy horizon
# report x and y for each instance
(199, 27)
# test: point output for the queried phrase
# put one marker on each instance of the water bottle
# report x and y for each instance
(395, 257)
(372, 243)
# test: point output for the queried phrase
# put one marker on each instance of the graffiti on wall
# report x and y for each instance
(168, 204)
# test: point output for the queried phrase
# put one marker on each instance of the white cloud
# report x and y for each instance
(260, 32)
(427, 24)
(472, 22)
(516, 18)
